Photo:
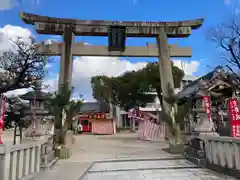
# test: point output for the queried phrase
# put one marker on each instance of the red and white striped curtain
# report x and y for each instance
(102, 127)
(148, 129)
(2, 113)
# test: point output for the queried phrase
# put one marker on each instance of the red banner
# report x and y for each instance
(2, 110)
(234, 116)
(1, 129)
(207, 105)
(206, 100)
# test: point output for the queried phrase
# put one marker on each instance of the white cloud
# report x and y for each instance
(17, 92)
(8, 4)
(189, 67)
(12, 32)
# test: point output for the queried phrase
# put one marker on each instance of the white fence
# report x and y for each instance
(18, 161)
(223, 152)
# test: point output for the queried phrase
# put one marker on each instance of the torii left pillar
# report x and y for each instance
(66, 66)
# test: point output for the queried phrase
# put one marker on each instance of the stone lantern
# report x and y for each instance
(37, 112)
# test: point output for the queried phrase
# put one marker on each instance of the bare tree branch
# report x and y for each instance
(21, 66)
(227, 37)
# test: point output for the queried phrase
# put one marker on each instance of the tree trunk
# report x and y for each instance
(57, 127)
(63, 133)
(20, 129)
(15, 134)
(177, 133)
(69, 122)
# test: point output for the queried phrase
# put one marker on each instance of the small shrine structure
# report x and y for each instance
(37, 112)
(211, 94)
(95, 118)
(208, 92)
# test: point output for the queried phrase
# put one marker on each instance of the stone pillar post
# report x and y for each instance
(66, 62)
(38, 120)
(65, 76)
(165, 70)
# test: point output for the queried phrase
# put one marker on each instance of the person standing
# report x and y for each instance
(80, 128)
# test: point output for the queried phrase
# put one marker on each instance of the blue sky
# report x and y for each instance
(204, 51)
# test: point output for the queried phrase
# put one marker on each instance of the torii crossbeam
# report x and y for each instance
(81, 49)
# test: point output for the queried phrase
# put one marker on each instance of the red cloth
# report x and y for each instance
(1, 136)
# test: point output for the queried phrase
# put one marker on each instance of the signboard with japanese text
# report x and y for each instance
(207, 105)
(234, 116)
(206, 100)
(96, 116)
(2, 113)
(1, 130)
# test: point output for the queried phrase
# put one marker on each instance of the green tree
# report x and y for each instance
(59, 103)
(102, 87)
(72, 109)
(152, 77)
(127, 91)
(131, 91)
(15, 112)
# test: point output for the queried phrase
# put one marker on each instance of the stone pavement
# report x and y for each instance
(162, 169)
(7, 137)
(123, 156)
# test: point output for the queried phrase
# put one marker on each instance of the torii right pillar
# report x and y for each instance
(165, 71)
(165, 68)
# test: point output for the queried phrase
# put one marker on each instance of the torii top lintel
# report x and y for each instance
(52, 25)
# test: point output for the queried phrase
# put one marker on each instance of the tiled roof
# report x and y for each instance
(94, 107)
(192, 88)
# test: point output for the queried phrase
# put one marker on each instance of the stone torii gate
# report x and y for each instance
(71, 27)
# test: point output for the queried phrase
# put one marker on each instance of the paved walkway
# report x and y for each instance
(123, 157)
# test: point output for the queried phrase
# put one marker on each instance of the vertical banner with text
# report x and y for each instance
(234, 116)
(206, 100)
(2, 113)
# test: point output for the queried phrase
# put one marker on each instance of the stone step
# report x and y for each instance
(142, 164)
(48, 157)
(48, 166)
